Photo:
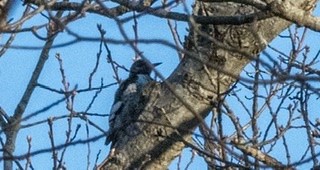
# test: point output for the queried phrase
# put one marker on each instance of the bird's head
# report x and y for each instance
(142, 67)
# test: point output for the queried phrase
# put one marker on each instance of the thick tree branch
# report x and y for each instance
(126, 6)
(150, 146)
(301, 15)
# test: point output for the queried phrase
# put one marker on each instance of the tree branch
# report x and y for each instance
(150, 146)
(300, 15)
(158, 12)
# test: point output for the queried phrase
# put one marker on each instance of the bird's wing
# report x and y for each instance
(114, 111)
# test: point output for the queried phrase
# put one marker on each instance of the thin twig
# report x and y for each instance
(51, 137)
(94, 97)
(95, 68)
(28, 163)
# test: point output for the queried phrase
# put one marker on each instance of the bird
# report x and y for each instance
(139, 75)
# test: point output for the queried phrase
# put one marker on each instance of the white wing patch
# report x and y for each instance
(132, 88)
(114, 110)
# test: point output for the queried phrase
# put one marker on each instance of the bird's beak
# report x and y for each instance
(156, 64)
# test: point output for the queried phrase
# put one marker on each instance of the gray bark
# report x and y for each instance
(169, 111)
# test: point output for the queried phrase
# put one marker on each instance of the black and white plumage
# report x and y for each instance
(138, 77)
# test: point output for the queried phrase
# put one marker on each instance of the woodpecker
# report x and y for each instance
(139, 76)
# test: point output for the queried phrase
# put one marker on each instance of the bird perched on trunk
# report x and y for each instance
(127, 92)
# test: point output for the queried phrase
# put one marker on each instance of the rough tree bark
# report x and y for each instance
(215, 56)
(4, 7)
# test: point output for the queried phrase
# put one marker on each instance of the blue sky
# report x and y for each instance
(16, 67)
